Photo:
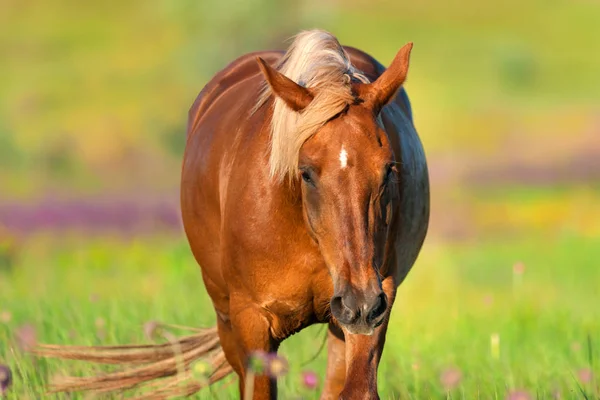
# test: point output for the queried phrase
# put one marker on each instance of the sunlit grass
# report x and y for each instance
(466, 318)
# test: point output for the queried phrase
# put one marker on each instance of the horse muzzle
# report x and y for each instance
(359, 312)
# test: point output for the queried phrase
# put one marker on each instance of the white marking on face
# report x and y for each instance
(343, 158)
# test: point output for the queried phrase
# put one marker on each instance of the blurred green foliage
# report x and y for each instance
(456, 298)
(89, 89)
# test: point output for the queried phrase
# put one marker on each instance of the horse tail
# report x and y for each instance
(160, 371)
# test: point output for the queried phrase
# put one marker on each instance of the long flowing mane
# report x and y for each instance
(315, 59)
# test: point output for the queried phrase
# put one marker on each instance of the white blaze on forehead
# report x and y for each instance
(343, 157)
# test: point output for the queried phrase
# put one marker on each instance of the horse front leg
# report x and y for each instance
(251, 330)
(336, 364)
(363, 354)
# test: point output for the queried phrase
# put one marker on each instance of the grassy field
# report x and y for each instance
(536, 293)
(93, 104)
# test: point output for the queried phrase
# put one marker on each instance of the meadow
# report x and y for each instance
(472, 321)
(502, 302)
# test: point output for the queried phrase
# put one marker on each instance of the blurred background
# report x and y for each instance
(94, 99)
(506, 98)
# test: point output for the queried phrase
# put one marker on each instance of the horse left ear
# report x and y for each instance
(379, 93)
(294, 95)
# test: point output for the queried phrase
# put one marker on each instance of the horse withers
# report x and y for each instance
(305, 199)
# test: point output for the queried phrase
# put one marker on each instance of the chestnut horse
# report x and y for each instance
(305, 199)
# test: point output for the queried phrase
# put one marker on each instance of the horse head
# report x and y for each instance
(349, 184)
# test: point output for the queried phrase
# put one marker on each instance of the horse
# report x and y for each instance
(305, 200)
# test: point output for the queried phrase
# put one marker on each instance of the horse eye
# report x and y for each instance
(388, 173)
(306, 177)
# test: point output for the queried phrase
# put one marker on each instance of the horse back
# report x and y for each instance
(241, 69)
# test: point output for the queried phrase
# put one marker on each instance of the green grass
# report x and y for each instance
(454, 300)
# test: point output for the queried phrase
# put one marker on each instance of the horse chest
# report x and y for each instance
(296, 303)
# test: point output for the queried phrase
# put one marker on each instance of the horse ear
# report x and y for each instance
(380, 92)
(294, 95)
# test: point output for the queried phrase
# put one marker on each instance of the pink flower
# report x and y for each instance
(310, 380)
(519, 268)
(585, 375)
(26, 337)
(518, 395)
(450, 378)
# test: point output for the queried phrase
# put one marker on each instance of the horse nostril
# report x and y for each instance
(340, 308)
(336, 305)
(377, 308)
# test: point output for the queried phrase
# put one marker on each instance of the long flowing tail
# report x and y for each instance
(158, 370)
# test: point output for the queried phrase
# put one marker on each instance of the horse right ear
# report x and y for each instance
(294, 95)
(383, 90)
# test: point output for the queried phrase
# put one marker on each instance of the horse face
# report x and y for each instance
(349, 193)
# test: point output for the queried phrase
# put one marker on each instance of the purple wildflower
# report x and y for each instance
(258, 362)
(277, 366)
(5, 379)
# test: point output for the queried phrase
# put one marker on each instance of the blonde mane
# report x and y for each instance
(315, 59)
